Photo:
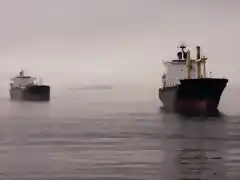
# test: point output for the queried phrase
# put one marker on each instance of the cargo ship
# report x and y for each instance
(26, 88)
(187, 89)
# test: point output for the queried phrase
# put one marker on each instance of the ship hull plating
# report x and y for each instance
(194, 96)
(33, 93)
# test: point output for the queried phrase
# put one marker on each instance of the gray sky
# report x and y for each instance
(115, 40)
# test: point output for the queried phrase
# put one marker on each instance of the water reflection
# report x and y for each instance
(196, 147)
(233, 144)
(76, 140)
(200, 164)
(216, 114)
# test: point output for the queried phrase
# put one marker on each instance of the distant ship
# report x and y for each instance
(186, 87)
(25, 88)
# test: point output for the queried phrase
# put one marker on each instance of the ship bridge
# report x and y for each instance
(22, 80)
(177, 69)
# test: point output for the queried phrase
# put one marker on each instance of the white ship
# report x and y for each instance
(25, 88)
(186, 87)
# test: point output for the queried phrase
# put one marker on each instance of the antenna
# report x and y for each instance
(182, 54)
(182, 46)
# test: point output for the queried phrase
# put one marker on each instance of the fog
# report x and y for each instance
(69, 42)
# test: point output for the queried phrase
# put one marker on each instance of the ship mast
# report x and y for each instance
(188, 64)
(204, 66)
(198, 62)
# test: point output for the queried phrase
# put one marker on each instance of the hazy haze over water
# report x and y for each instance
(114, 41)
(95, 127)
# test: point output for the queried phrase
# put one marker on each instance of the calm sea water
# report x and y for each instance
(116, 133)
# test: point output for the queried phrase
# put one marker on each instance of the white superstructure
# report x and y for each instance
(177, 69)
(22, 81)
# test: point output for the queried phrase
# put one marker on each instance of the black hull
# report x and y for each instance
(32, 93)
(194, 96)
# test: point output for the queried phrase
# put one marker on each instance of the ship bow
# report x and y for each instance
(37, 93)
(200, 96)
